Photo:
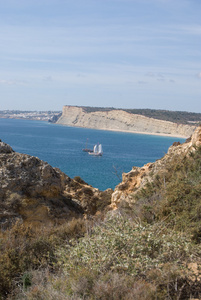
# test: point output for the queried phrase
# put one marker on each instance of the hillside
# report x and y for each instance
(33, 192)
(181, 117)
(121, 120)
(143, 241)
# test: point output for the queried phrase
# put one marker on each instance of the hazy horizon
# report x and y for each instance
(134, 54)
(107, 107)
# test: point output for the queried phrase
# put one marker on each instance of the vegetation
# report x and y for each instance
(23, 249)
(181, 117)
(152, 251)
(175, 195)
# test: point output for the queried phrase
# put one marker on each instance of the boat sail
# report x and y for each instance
(95, 149)
(87, 149)
(98, 150)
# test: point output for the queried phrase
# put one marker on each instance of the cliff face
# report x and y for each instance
(33, 192)
(137, 178)
(119, 120)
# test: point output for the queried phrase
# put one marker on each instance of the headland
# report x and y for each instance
(122, 120)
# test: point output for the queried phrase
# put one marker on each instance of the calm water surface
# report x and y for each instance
(61, 147)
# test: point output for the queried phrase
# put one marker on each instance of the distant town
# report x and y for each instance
(179, 117)
(50, 116)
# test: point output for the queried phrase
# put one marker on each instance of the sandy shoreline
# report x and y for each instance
(133, 132)
(146, 133)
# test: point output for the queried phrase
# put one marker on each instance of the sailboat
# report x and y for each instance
(87, 149)
(97, 151)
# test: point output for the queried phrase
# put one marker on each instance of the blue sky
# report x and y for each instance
(114, 53)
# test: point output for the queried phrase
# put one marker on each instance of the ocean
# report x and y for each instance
(61, 146)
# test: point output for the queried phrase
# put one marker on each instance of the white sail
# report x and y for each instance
(100, 149)
(95, 149)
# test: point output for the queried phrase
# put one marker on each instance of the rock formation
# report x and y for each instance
(119, 120)
(34, 192)
(138, 177)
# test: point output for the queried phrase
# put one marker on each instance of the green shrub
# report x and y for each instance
(125, 247)
(174, 194)
(23, 248)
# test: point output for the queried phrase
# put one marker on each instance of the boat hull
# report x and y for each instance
(87, 150)
(95, 154)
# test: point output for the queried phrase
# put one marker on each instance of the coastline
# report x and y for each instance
(122, 121)
(133, 132)
(146, 133)
(115, 130)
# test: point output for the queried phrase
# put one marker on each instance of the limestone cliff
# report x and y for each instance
(137, 178)
(33, 192)
(119, 120)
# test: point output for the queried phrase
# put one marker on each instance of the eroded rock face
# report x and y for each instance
(31, 190)
(196, 137)
(138, 177)
(5, 148)
(34, 192)
(28, 175)
(120, 120)
(91, 199)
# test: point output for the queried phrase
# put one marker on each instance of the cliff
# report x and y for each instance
(33, 192)
(119, 120)
(147, 247)
(156, 175)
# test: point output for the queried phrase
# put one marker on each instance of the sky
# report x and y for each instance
(105, 53)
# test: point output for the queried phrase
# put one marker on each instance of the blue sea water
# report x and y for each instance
(61, 147)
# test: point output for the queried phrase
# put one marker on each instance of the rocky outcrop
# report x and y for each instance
(137, 178)
(33, 192)
(119, 120)
(4, 148)
(90, 199)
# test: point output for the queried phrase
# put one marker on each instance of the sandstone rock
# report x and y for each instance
(120, 120)
(33, 192)
(196, 137)
(138, 177)
(90, 199)
(5, 148)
